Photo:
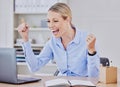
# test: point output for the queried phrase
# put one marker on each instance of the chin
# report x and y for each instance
(57, 36)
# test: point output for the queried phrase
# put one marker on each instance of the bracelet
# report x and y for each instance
(92, 53)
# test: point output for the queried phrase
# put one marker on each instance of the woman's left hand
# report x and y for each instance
(91, 39)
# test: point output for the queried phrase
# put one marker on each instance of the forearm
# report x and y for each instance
(93, 65)
(30, 57)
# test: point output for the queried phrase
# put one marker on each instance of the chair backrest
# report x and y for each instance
(104, 61)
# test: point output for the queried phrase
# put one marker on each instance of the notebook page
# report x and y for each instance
(56, 82)
(81, 82)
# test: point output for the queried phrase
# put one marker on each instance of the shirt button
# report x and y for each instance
(68, 66)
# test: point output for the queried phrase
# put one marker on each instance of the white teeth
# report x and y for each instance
(54, 30)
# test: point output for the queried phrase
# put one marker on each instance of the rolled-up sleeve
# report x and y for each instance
(35, 62)
(93, 65)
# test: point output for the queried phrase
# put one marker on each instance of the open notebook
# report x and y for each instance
(8, 68)
(68, 83)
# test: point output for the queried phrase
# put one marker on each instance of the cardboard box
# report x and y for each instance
(108, 74)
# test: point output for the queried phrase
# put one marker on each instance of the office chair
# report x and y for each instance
(103, 60)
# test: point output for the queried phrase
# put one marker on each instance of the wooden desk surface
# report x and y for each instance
(45, 78)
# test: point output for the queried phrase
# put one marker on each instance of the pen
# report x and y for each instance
(69, 83)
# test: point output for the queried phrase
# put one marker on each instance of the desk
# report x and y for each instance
(45, 78)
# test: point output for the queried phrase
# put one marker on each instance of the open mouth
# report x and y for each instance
(55, 32)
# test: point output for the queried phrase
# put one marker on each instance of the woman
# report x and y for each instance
(73, 50)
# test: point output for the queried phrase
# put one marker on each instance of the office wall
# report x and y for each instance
(6, 23)
(101, 17)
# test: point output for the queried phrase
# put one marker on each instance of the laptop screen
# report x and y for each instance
(8, 68)
(8, 65)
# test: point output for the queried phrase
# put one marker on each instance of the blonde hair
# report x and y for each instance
(63, 9)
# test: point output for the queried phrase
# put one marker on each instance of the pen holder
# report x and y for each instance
(108, 74)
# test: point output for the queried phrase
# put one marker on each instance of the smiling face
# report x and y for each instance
(57, 24)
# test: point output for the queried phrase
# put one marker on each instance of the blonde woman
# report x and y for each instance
(73, 50)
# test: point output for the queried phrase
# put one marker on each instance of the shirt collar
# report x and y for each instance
(76, 39)
(77, 36)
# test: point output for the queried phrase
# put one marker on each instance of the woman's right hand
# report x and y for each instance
(23, 31)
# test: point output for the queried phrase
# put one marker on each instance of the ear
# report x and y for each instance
(68, 19)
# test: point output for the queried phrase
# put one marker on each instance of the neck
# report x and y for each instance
(68, 36)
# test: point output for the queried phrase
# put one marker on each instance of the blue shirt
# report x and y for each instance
(74, 61)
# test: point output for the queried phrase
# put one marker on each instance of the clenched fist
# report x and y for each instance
(91, 39)
(23, 31)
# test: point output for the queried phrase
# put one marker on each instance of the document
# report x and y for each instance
(68, 83)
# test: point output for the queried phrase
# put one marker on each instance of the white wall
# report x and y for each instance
(6, 23)
(101, 17)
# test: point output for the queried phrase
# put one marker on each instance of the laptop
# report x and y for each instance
(8, 68)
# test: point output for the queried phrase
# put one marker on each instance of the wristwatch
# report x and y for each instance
(92, 53)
